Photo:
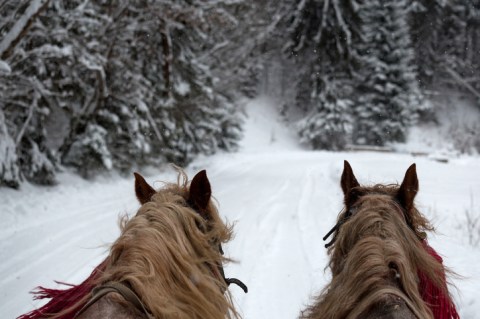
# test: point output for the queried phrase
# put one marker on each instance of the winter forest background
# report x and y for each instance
(114, 85)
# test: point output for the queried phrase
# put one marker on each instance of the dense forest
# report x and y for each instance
(107, 85)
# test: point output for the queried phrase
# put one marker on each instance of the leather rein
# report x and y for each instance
(129, 295)
(120, 288)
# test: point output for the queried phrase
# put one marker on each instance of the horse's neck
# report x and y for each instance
(107, 308)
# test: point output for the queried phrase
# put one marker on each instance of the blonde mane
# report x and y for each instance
(375, 237)
(168, 254)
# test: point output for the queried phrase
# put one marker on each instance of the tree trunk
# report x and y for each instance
(167, 59)
(9, 172)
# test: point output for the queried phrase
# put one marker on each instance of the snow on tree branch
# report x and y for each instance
(20, 28)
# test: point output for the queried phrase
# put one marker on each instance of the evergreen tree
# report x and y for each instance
(24, 98)
(329, 123)
(426, 28)
(323, 36)
(388, 95)
(194, 111)
(102, 85)
(446, 38)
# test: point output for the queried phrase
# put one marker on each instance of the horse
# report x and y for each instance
(167, 262)
(381, 263)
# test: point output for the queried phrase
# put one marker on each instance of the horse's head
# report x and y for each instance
(377, 252)
(400, 198)
(170, 252)
(198, 197)
(166, 263)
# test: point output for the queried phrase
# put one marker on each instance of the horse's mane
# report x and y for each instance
(367, 244)
(165, 253)
(168, 254)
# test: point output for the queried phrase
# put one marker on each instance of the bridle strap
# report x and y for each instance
(336, 228)
(349, 214)
(124, 291)
(229, 281)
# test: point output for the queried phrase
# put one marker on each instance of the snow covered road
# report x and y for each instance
(282, 198)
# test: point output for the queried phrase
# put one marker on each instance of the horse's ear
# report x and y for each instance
(348, 180)
(409, 188)
(200, 191)
(143, 191)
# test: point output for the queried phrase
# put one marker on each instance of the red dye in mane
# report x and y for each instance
(63, 299)
(440, 304)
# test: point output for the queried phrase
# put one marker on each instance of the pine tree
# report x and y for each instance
(388, 98)
(196, 114)
(329, 123)
(25, 99)
(101, 85)
(446, 38)
(426, 23)
(114, 129)
(323, 38)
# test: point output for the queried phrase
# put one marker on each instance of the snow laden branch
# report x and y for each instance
(343, 25)
(318, 37)
(4, 67)
(20, 28)
(296, 24)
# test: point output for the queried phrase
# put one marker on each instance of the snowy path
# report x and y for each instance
(282, 198)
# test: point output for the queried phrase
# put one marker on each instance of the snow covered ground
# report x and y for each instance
(282, 197)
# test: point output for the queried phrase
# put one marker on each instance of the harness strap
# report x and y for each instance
(124, 291)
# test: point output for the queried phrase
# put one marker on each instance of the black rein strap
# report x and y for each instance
(229, 281)
(336, 228)
(237, 282)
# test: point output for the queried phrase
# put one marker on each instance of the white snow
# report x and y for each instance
(5, 67)
(20, 24)
(265, 131)
(283, 199)
(182, 88)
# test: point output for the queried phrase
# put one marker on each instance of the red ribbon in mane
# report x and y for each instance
(63, 299)
(439, 303)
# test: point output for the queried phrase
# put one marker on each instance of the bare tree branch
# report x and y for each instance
(460, 80)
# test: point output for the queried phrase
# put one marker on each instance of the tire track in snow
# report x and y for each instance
(283, 269)
(43, 251)
(76, 246)
(309, 229)
(257, 241)
(65, 213)
(76, 232)
(316, 215)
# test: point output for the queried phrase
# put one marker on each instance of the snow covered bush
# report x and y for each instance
(89, 152)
